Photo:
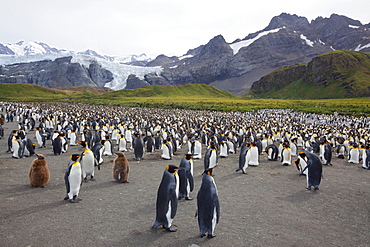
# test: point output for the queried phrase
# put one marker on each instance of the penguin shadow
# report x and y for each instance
(26, 189)
(299, 196)
(93, 185)
(149, 236)
(40, 208)
(231, 176)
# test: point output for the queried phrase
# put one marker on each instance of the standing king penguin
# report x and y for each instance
(39, 174)
(73, 179)
(210, 157)
(121, 168)
(186, 177)
(88, 162)
(208, 206)
(166, 205)
(314, 167)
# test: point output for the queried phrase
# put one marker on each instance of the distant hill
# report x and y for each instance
(337, 74)
(29, 92)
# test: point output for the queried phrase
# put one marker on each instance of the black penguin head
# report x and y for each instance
(298, 165)
(172, 168)
(302, 154)
(74, 157)
(83, 144)
(208, 171)
(188, 156)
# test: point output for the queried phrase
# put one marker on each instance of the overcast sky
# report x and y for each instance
(170, 27)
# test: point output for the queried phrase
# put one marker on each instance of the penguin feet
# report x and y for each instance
(239, 169)
(308, 188)
(202, 235)
(316, 188)
(169, 229)
(66, 198)
(92, 178)
(189, 198)
(85, 180)
(211, 236)
(75, 200)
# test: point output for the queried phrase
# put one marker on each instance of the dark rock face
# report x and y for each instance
(134, 82)
(5, 50)
(288, 39)
(58, 73)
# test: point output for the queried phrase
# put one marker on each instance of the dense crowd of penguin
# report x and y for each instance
(307, 140)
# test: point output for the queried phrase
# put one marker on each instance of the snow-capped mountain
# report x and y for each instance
(288, 39)
(32, 52)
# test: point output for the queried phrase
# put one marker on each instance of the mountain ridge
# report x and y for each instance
(287, 39)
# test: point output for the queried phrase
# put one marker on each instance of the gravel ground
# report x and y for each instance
(267, 207)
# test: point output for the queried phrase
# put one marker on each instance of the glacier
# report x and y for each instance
(26, 52)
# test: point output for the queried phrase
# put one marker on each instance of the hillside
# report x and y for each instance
(337, 74)
(29, 92)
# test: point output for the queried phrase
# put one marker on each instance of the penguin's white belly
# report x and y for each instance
(213, 160)
(168, 215)
(122, 145)
(74, 181)
(253, 156)
(108, 149)
(87, 164)
(286, 157)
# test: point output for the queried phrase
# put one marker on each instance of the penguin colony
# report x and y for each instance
(286, 137)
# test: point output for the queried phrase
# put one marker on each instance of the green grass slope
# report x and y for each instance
(28, 92)
(337, 74)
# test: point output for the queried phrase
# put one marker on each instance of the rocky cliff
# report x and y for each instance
(337, 73)
(58, 73)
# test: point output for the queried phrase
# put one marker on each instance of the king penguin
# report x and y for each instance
(224, 149)
(314, 167)
(286, 157)
(88, 163)
(272, 152)
(39, 174)
(73, 179)
(138, 145)
(122, 144)
(210, 157)
(254, 155)
(186, 177)
(166, 150)
(17, 147)
(121, 168)
(244, 157)
(354, 154)
(366, 158)
(208, 206)
(166, 205)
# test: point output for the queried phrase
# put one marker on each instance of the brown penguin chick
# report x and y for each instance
(39, 174)
(121, 168)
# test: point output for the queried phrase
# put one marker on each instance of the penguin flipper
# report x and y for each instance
(190, 179)
(217, 205)
(173, 204)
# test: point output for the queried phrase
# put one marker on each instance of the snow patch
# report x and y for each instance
(244, 43)
(308, 42)
(351, 26)
(185, 56)
(359, 47)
